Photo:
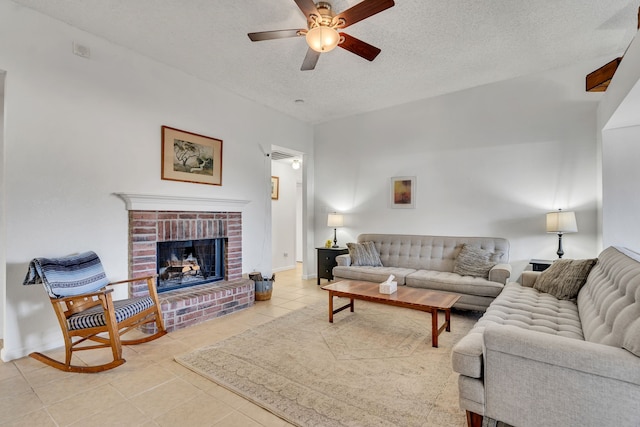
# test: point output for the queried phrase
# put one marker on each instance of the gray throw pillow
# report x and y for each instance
(364, 254)
(565, 277)
(472, 261)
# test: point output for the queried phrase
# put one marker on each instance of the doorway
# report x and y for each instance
(287, 229)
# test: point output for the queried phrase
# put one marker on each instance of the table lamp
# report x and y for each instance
(561, 222)
(335, 220)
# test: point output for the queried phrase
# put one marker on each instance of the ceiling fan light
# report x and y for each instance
(322, 39)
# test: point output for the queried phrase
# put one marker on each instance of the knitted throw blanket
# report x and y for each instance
(67, 276)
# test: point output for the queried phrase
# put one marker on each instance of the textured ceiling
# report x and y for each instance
(429, 47)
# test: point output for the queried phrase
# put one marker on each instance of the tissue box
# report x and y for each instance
(388, 287)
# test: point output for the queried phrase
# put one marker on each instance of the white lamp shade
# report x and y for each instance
(322, 39)
(561, 222)
(335, 220)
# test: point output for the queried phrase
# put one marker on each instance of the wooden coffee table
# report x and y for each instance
(414, 298)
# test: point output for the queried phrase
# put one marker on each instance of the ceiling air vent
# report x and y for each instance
(279, 155)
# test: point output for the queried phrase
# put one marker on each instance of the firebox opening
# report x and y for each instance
(189, 263)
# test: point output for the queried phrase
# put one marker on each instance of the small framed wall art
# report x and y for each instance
(403, 192)
(275, 187)
(190, 157)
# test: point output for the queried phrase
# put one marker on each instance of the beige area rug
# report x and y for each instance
(374, 367)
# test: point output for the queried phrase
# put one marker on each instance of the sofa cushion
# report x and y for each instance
(609, 302)
(371, 274)
(519, 306)
(364, 254)
(430, 252)
(565, 277)
(452, 282)
(537, 311)
(473, 261)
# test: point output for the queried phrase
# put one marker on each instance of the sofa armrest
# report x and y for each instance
(533, 378)
(343, 260)
(529, 278)
(500, 273)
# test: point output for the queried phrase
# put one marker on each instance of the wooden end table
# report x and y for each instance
(407, 297)
(540, 264)
(327, 260)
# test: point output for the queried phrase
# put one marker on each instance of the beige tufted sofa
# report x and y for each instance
(428, 262)
(534, 360)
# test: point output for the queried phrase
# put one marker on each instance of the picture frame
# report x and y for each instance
(403, 192)
(275, 187)
(190, 157)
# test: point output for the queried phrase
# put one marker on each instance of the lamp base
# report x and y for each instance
(335, 239)
(560, 251)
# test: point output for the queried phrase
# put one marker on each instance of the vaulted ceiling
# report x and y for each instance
(429, 47)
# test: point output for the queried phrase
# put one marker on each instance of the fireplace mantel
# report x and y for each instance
(156, 202)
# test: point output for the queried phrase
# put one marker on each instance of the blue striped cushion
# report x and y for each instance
(68, 276)
(94, 316)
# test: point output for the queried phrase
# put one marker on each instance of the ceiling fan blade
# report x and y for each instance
(364, 10)
(360, 48)
(308, 7)
(270, 35)
(310, 60)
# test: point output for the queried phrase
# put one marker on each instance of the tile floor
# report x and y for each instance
(150, 389)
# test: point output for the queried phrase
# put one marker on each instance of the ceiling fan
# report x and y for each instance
(323, 26)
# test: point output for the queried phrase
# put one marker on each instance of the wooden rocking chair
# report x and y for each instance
(85, 310)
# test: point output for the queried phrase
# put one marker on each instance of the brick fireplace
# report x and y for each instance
(147, 226)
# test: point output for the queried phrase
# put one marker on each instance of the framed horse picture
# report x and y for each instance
(191, 157)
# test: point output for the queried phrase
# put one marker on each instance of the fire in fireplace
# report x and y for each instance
(189, 262)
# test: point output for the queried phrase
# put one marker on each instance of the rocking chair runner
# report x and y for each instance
(77, 290)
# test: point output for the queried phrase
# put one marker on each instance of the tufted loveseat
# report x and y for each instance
(535, 360)
(428, 262)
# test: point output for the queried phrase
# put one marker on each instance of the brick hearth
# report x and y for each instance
(188, 306)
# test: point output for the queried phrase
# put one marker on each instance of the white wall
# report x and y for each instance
(489, 161)
(77, 130)
(619, 120)
(299, 217)
(3, 229)
(621, 192)
(284, 217)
